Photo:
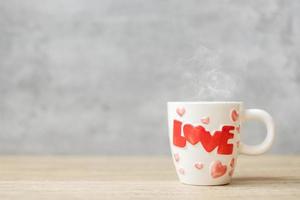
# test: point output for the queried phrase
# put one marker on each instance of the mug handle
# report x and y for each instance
(266, 118)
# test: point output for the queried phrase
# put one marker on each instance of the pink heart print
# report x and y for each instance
(176, 157)
(181, 171)
(232, 162)
(198, 165)
(205, 120)
(217, 169)
(238, 128)
(234, 115)
(180, 111)
(231, 172)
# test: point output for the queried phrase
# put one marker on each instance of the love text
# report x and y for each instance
(195, 134)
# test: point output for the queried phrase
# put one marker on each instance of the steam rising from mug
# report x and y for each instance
(206, 76)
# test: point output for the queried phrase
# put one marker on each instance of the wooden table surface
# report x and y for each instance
(80, 177)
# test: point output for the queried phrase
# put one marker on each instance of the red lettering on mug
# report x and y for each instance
(195, 134)
(178, 140)
(224, 147)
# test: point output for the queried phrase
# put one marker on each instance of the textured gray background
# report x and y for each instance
(80, 77)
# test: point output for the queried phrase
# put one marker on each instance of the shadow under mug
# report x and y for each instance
(205, 139)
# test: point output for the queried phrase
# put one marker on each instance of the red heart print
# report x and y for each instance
(205, 120)
(198, 133)
(192, 134)
(234, 115)
(217, 169)
(210, 142)
(198, 165)
(176, 157)
(181, 171)
(180, 111)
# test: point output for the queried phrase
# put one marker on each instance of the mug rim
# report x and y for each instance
(205, 102)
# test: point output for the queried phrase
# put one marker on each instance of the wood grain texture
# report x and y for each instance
(78, 177)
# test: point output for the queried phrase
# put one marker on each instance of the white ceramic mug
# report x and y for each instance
(205, 139)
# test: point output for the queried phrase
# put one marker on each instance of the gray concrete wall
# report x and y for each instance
(80, 77)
